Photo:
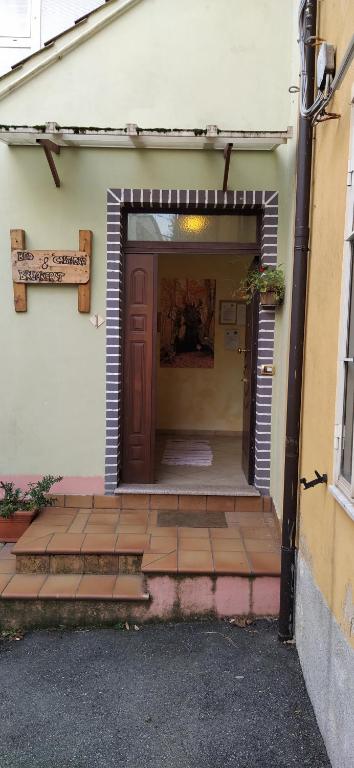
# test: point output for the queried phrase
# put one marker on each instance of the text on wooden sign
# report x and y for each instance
(50, 266)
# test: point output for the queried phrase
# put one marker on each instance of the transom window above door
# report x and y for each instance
(176, 227)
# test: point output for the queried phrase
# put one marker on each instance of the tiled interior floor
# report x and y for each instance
(248, 546)
(225, 471)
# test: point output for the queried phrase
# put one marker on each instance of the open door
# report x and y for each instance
(139, 368)
(249, 389)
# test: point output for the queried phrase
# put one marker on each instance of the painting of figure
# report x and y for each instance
(187, 323)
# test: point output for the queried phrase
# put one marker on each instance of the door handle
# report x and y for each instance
(240, 350)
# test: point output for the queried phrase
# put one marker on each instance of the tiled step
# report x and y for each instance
(164, 592)
(78, 563)
(140, 499)
(72, 587)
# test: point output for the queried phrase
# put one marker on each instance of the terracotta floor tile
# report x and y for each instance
(134, 516)
(32, 545)
(155, 530)
(225, 533)
(220, 504)
(100, 528)
(60, 585)
(104, 518)
(132, 529)
(8, 565)
(265, 563)
(256, 532)
(193, 543)
(164, 501)
(129, 587)
(245, 518)
(135, 501)
(66, 542)
(251, 504)
(261, 545)
(132, 542)
(194, 562)
(227, 545)
(4, 579)
(159, 563)
(76, 500)
(195, 533)
(96, 586)
(99, 542)
(107, 502)
(162, 544)
(37, 531)
(153, 517)
(231, 562)
(79, 522)
(192, 503)
(26, 585)
(6, 551)
(57, 519)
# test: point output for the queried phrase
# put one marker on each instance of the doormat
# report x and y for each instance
(191, 519)
(188, 453)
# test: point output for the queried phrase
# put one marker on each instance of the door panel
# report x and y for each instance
(139, 368)
(249, 389)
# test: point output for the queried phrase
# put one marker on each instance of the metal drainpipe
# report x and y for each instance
(297, 329)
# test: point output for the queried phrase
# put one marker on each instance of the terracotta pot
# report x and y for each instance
(268, 299)
(12, 528)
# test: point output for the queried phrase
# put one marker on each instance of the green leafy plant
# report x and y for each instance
(34, 498)
(264, 280)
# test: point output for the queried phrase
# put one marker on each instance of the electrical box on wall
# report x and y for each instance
(325, 64)
(231, 340)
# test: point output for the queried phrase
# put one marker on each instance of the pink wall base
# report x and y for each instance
(224, 596)
(69, 485)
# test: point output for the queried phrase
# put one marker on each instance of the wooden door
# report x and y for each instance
(139, 365)
(249, 389)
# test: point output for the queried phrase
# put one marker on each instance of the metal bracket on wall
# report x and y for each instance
(227, 155)
(316, 481)
(49, 147)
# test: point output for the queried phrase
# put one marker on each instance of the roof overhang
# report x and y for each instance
(133, 137)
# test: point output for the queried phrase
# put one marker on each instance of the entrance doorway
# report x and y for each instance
(190, 351)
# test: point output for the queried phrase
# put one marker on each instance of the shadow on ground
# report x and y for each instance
(194, 695)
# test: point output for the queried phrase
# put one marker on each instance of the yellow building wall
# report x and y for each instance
(205, 398)
(326, 533)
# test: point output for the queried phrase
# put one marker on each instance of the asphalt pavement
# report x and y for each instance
(201, 694)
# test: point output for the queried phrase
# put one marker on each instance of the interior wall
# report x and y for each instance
(204, 398)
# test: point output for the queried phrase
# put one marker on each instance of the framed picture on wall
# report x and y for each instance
(241, 313)
(227, 312)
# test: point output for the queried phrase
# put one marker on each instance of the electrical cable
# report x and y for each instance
(315, 110)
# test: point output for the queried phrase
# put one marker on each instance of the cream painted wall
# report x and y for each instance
(172, 65)
(205, 398)
(326, 531)
(52, 372)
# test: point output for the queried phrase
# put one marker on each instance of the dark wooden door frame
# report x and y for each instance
(150, 247)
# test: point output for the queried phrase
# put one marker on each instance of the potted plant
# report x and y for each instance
(268, 282)
(18, 508)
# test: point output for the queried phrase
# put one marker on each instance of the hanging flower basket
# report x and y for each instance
(268, 283)
(269, 299)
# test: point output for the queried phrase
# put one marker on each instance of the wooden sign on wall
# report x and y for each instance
(50, 268)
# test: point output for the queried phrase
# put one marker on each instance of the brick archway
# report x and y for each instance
(185, 199)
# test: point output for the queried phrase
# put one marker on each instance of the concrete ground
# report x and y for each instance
(195, 695)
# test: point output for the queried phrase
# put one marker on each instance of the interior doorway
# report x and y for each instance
(190, 348)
